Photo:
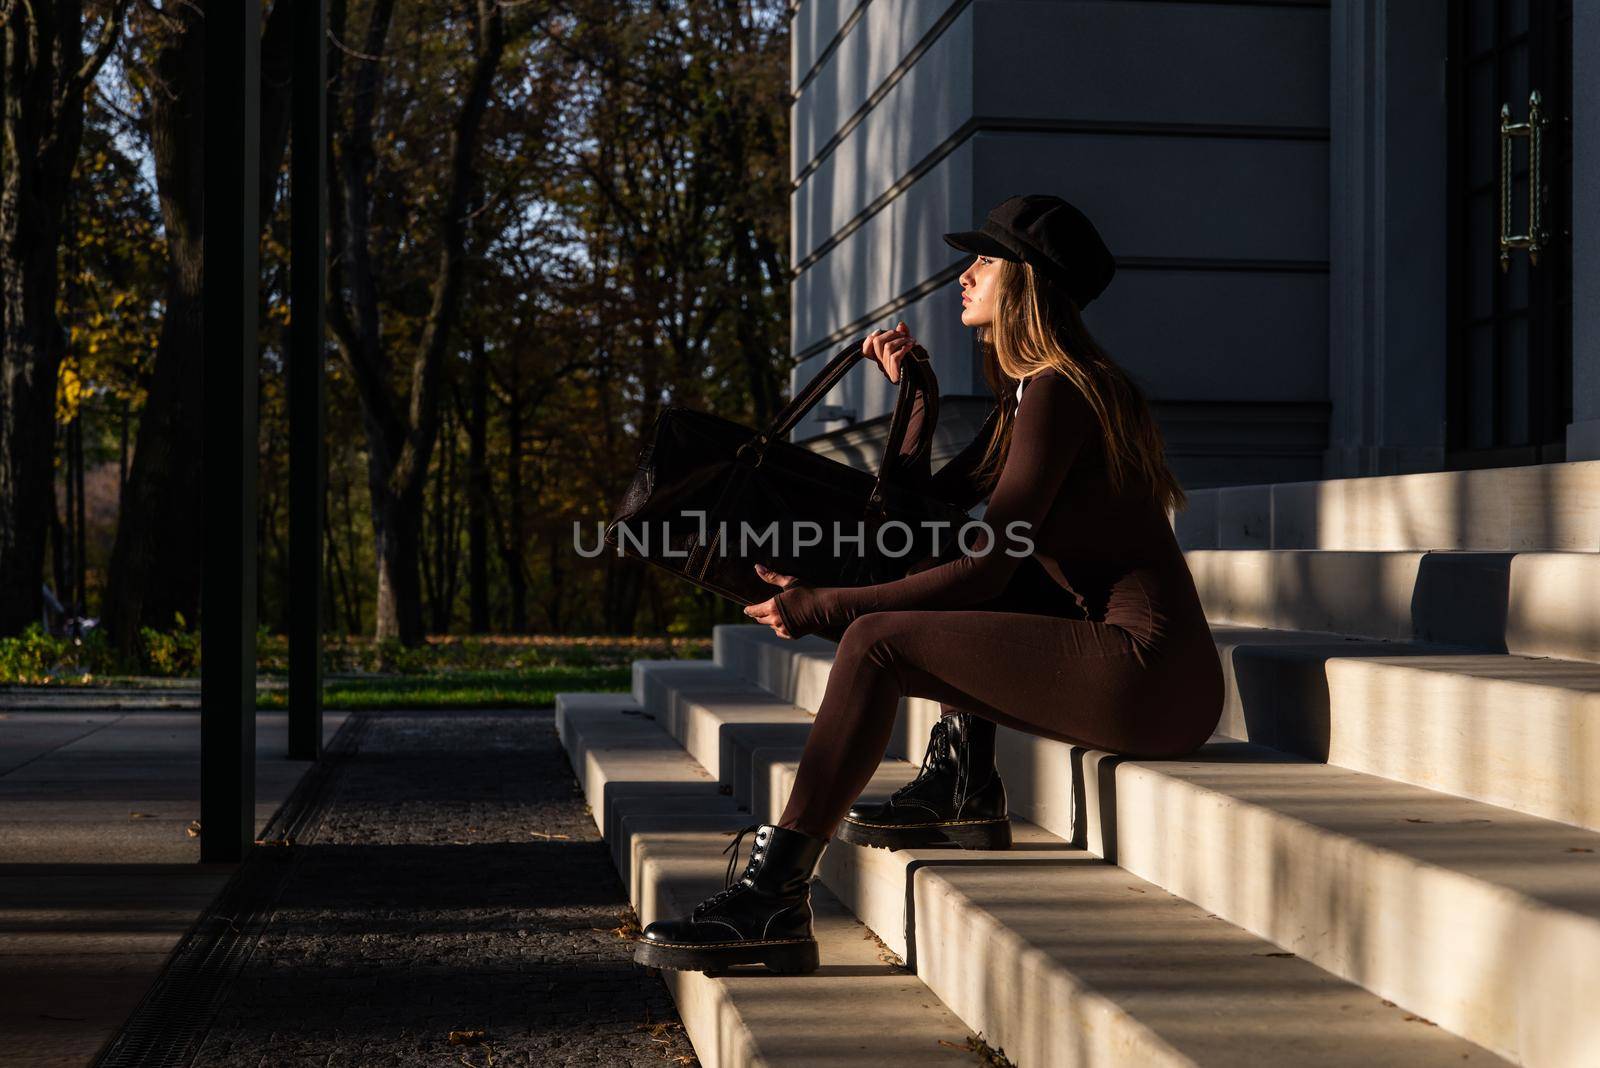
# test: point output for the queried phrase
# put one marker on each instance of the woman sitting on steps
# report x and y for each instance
(1097, 638)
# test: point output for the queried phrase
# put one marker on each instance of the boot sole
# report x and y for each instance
(788, 957)
(974, 834)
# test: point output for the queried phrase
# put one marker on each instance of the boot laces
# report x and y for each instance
(729, 886)
(938, 742)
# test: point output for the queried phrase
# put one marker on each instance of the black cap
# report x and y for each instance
(1050, 235)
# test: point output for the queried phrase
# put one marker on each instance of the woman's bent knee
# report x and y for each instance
(873, 640)
(866, 632)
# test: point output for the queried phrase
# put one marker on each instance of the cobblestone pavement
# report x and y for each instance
(455, 884)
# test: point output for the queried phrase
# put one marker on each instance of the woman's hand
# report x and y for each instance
(888, 348)
(767, 611)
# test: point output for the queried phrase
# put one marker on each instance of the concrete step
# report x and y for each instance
(1520, 732)
(1484, 920)
(1528, 603)
(1059, 958)
(859, 1009)
(797, 679)
(1540, 506)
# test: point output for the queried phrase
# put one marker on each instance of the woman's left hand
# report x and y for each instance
(767, 611)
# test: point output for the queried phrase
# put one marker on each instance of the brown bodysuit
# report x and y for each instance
(1096, 637)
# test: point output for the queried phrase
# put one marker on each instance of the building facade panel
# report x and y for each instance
(892, 253)
(1152, 62)
(865, 60)
(1253, 192)
(814, 27)
(911, 122)
(1217, 335)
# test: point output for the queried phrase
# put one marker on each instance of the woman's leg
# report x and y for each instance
(1072, 680)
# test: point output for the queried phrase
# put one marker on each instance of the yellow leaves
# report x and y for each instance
(70, 392)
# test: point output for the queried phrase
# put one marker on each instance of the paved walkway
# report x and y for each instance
(452, 882)
(98, 878)
(445, 877)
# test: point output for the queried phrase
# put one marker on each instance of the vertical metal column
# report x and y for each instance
(308, 226)
(228, 594)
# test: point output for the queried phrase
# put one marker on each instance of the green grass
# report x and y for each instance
(37, 659)
(527, 688)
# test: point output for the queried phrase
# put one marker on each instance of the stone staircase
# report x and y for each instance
(1388, 855)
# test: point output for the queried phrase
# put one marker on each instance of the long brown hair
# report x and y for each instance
(1036, 325)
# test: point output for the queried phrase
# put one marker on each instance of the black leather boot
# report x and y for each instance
(763, 918)
(956, 799)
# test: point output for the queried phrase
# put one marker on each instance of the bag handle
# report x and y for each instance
(813, 391)
(912, 372)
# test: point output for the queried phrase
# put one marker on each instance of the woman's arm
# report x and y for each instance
(1052, 426)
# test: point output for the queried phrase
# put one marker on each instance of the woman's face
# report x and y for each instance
(977, 291)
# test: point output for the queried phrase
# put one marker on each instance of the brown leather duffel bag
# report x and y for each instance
(712, 497)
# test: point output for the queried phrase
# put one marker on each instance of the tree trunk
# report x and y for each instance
(397, 528)
(153, 575)
(401, 428)
(621, 600)
(513, 539)
(42, 132)
(478, 490)
(556, 601)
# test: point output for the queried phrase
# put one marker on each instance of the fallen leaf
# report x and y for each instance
(1578, 849)
(193, 830)
(1272, 954)
(465, 1038)
(1413, 819)
(141, 815)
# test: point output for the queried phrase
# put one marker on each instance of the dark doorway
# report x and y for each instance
(1510, 346)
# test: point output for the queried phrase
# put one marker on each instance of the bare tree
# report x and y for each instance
(401, 425)
(45, 75)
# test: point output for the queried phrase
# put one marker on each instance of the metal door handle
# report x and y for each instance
(1534, 240)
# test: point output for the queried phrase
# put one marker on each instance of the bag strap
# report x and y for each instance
(813, 391)
(913, 372)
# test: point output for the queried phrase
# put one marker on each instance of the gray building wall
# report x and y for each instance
(1205, 168)
(1268, 175)
(1388, 227)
